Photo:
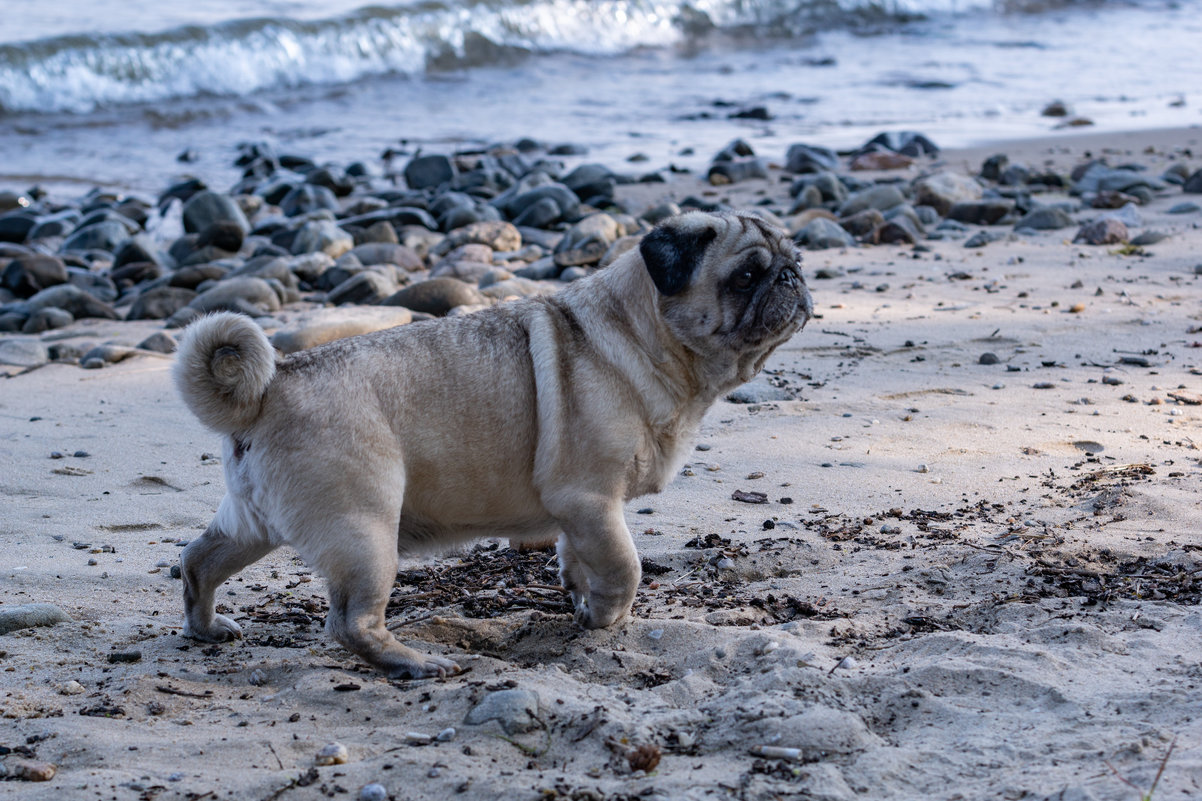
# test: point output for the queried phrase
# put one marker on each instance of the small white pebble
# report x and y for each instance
(418, 738)
(922, 468)
(373, 792)
(655, 634)
(446, 735)
(769, 647)
(72, 688)
(332, 754)
(258, 678)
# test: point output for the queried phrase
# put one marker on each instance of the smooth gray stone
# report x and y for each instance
(24, 616)
(23, 352)
(516, 710)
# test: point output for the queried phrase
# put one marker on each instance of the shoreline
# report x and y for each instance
(980, 577)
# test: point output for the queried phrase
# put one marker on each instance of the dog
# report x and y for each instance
(528, 420)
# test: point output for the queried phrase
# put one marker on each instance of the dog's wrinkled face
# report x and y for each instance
(729, 283)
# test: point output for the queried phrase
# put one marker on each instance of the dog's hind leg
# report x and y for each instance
(360, 566)
(208, 561)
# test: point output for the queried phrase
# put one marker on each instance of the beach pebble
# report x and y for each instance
(436, 296)
(881, 197)
(732, 172)
(496, 234)
(446, 735)
(1105, 231)
(982, 212)
(241, 294)
(27, 770)
(418, 738)
(1045, 219)
(802, 158)
(980, 239)
(1188, 207)
(943, 190)
(881, 160)
(30, 273)
(367, 287)
(160, 302)
(322, 236)
(426, 172)
(758, 391)
(47, 319)
(373, 792)
(75, 300)
(207, 207)
(332, 754)
(1193, 184)
(516, 710)
(910, 143)
(319, 326)
(102, 355)
(72, 687)
(821, 233)
(24, 616)
(159, 342)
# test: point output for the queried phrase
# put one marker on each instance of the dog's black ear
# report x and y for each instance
(672, 255)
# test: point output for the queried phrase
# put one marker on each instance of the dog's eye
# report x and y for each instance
(743, 280)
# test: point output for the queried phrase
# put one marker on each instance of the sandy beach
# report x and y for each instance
(976, 572)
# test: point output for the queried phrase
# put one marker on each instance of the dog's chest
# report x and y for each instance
(659, 459)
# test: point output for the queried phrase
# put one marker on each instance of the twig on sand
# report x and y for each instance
(1159, 772)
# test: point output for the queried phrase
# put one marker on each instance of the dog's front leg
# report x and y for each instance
(598, 561)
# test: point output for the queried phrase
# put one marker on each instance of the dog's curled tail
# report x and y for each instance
(224, 365)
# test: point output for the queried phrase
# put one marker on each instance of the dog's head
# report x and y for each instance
(729, 284)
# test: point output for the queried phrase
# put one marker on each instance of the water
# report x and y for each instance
(110, 91)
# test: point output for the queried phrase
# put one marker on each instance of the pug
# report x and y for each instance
(528, 420)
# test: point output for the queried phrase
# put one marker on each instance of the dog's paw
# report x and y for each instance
(426, 667)
(221, 629)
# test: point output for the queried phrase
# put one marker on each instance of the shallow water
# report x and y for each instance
(643, 87)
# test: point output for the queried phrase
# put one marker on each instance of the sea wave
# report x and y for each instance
(84, 72)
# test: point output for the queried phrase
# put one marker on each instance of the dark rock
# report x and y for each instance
(97, 285)
(828, 184)
(909, 143)
(398, 216)
(159, 303)
(387, 253)
(567, 149)
(207, 207)
(138, 248)
(514, 203)
(751, 113)
(1193, 184)
(75, 300)
(881, 197)
(223, 235)
(28, 274)
(986, 212)
(159, 342)
(237, 294)
(862, 223)
(11, 322)
(333, 179)
(307, 198)
(377, 233)
(425, 172)
(1104, 231)
(879, 160)
(47, 319)
(436, 296)
(1056, 108)
(367, 287)
(16, 227)
(980, 239)
(1097, 177)
(1149, 238)
(1189, 207)
(107, 235)
(1015, 175)
(193, 276)
(129, 275)
(734, 172)
(737, 148)
(802, 158)
(591, 181)
(539, 214)
(1045, 219)
(897, 230)
(319, 326)
(988, 358)
(992, 168)
(182, 190)
(823, 233)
